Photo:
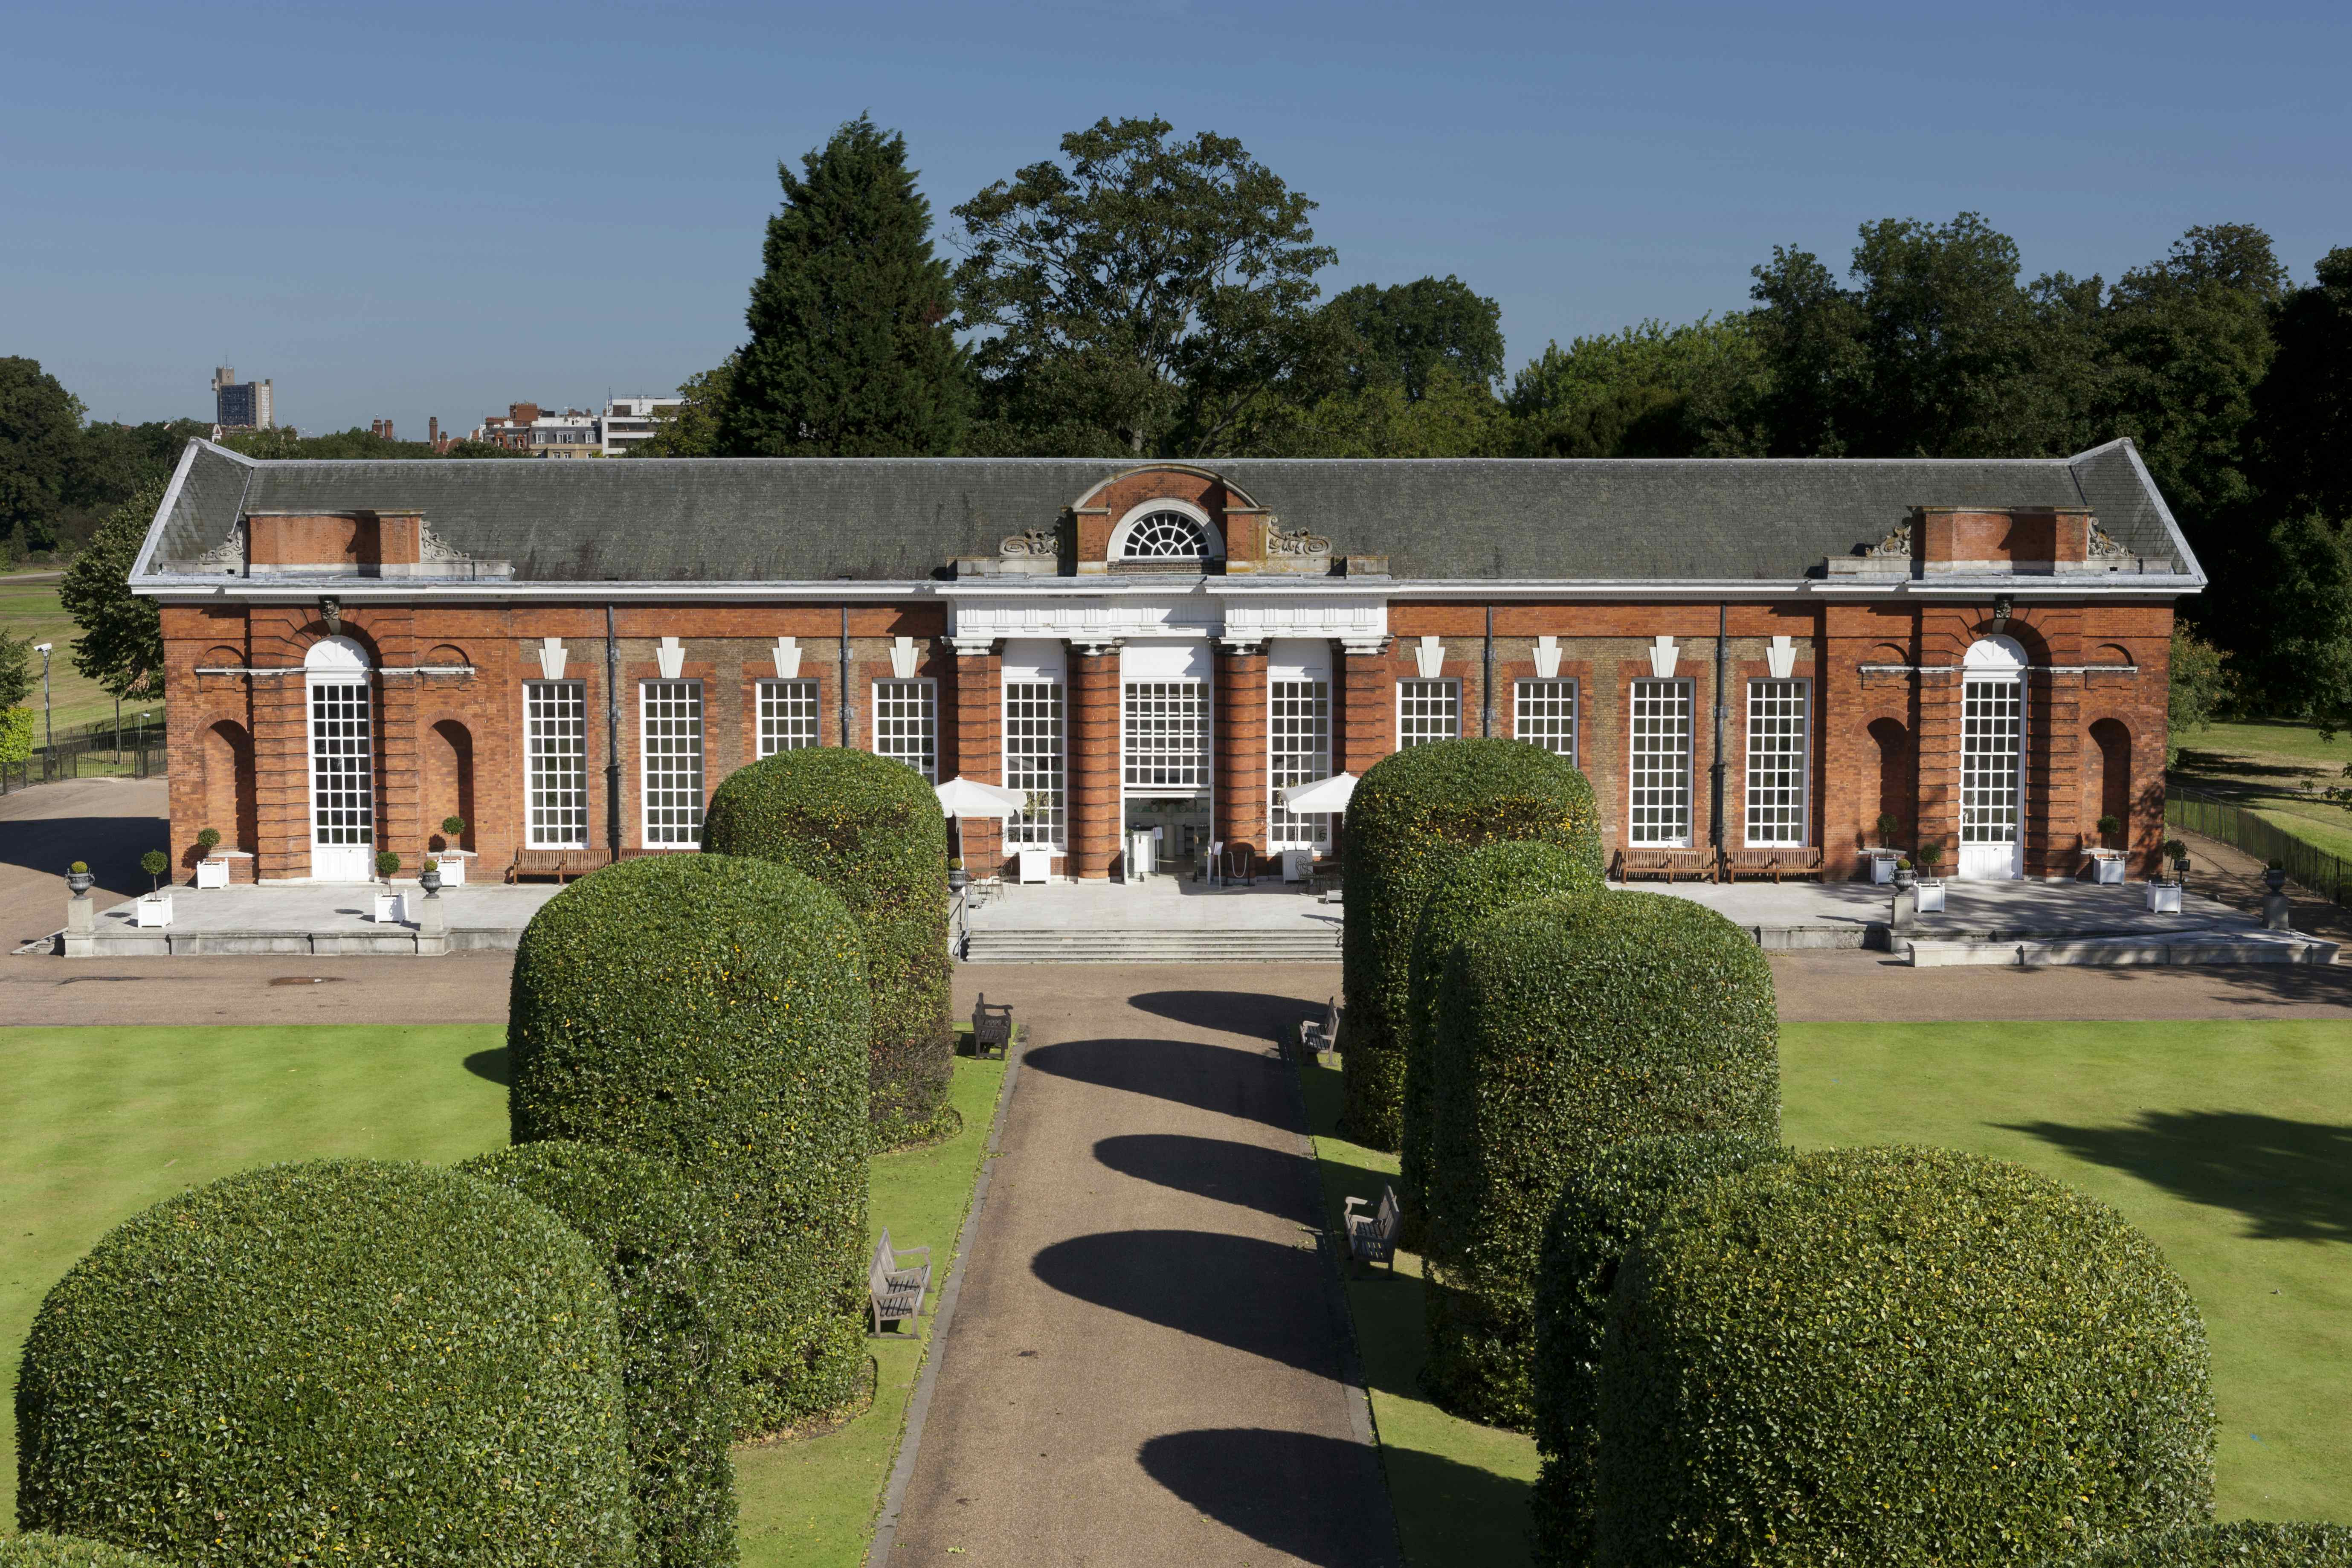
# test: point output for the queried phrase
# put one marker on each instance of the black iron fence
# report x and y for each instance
(2307, 865)
(89, 753)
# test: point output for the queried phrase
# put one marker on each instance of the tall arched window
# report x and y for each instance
(1992, 759)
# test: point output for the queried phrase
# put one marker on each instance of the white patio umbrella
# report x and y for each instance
(961, 797)
(1324, 795)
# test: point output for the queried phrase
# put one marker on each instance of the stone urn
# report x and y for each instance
(2275, 879)
(430, 880)
(81, 883)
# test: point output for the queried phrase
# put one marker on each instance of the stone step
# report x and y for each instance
(2238, 945)
(1066, 946)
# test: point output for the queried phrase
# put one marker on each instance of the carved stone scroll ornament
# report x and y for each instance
(431, 546)
(227, 556)
(2103, 546)
(1281, 540)
(1895, 546)
(1033, 541)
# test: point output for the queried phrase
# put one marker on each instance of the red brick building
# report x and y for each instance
(574, 654)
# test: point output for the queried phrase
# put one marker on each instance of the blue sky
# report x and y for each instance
(406, 210)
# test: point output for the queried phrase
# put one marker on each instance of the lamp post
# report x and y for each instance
(48, 714)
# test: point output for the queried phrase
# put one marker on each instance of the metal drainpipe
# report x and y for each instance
(841, 697)
(1715, 773)
(611, 737)
(1486, 682)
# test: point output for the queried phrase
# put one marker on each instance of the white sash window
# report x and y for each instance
(906, 724)
(1033, 760)
(1544, 713)
(1299, 752)
(1428, 710)
(672, 751)
(787, 716)
(555, 765)
(1776, 761)
(1659, 807)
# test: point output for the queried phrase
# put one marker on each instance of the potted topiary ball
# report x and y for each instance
(387, 902)
(2107, 863)
(154, 905)
(1882, 859)
(210, 872)
(1930, 881)
(449, 858)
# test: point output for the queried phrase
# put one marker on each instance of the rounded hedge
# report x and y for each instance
(348, 1361)
(664, 1247)
(1414, 813)
(869, 829)
(1565, 1026)
(69, 1551)
(1486, 881)
(2248, 1543)
(710, 1012)
(1895, 1356)
(1604, 1206)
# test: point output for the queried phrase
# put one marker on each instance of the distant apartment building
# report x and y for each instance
(630, 422)
(241, 404)
(527, 428)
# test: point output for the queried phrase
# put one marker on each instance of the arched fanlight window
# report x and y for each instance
(1167, 536)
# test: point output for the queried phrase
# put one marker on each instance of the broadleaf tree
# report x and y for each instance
(1145, 296)
(122, 641)
(853, 351)
(1407, 331)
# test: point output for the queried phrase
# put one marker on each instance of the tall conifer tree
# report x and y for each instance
(852, 353)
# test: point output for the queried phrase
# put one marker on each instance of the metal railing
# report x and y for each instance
(141, 756)
(2307, 865)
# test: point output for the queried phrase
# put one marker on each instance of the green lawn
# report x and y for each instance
(2267, 766)
(29, 607)
(2230, 1143)
(103, 1122)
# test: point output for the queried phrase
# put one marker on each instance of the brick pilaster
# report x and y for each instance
(1367, 730)
(980, 750)
(1241, 776)
(1094, 762)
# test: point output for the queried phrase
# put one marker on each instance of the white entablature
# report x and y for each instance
(1360, 622)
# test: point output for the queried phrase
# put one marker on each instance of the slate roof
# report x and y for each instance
(904, 519)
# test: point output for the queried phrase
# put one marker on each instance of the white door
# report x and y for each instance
(1992, 761)
(343, 763)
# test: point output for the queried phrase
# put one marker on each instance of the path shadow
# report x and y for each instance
(1190, 1072)
(1254, 1296)
(1253, 1013)
(1264, 1179)
(491, 1064)
(2291, 1180)
(1314, 1498)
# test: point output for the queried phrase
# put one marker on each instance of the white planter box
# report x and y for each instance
(155, 910)
(1036, 865)
(1882, 867)
(2164, 898)
(388, 910)
(453, 865)
(1931, 896)
(2108, 868)
(212, 873)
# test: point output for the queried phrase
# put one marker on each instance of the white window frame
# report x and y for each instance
(1779, 820)
(670, 798)
(1658, 807)
(1527, 717)
(1287, 766)
(548, 788)
(1411, 725)
(919, 747)
(1036, 733)
(340, 736)
(1213, 538)
(783, 726)
(1192, 697)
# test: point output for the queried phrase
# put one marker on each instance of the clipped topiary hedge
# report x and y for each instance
(344, 1361)
(1895, 1356)
(710, 1012)
(869, 829)
(69, 1551)
(1604, 1206)
(1484, 881)
(1565, 1026)
(2248, 1543)
(664, 1249)
(1413, 814)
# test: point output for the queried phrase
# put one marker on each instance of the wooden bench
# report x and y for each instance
(560, 864)
(1773, 863)
(894, 1288)
(1321, 1035)
(992, 1027)
(1671, 864)
(1372, 1237)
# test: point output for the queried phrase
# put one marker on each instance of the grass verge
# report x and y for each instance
(103, 1122)
(1459, 1489)
(29, 608)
